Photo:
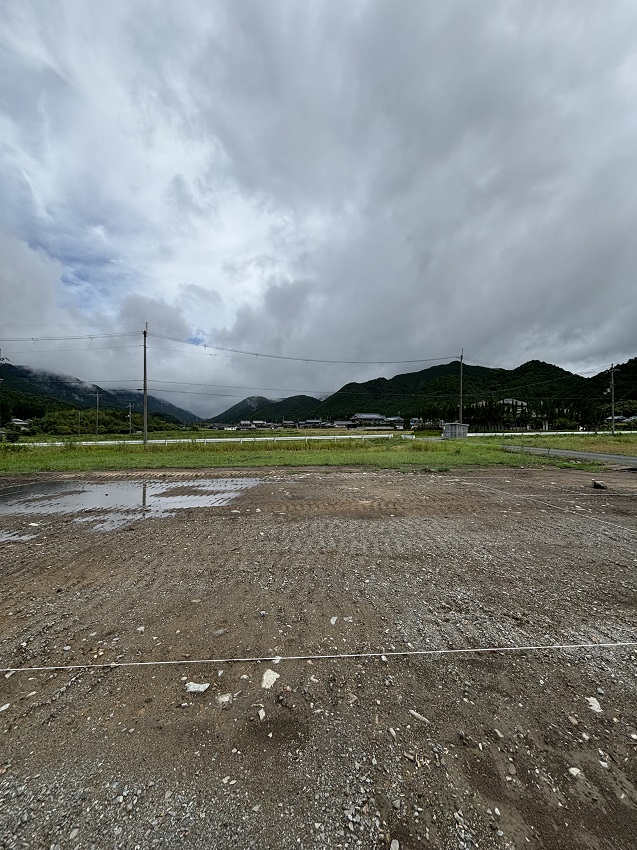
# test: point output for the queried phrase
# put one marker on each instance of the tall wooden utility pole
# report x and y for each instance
(145, 388)
(461, 363)
(612, 396)
(97, 413)
(2, 360)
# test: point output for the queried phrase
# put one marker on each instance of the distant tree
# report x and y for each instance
(11, 434)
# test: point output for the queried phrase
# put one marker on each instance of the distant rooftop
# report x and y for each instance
(373, 416)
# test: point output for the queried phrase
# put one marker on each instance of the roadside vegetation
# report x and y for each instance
(621, 443)
(22, 458)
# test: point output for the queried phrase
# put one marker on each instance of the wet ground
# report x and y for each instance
(479, 750)
(114, 504)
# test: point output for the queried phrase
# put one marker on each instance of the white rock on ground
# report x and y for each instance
(269, 678)
(195, 688)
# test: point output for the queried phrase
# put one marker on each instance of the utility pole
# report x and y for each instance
(612, 396)
(461, 363)
(78, 423)
(2, 360)
(130, 418)
(97, 413)
(145, 388)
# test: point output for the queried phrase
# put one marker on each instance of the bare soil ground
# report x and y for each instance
(503, 750)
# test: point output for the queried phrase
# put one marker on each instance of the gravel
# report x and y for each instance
(498, 750)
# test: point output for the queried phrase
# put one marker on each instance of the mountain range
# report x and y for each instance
(435, 392)
(28, 393)
(430, 393)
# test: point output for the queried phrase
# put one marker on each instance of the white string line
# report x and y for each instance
(276, 659)
(597, 495)
(557, 507)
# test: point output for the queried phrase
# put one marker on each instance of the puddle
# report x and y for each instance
(14, 537)
(114, 504)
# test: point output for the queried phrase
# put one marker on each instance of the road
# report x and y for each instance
(627, 460)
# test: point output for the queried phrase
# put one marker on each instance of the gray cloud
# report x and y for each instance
(348, 181)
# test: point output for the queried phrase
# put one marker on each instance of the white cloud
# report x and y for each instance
(362, 180)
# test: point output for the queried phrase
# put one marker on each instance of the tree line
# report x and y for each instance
(495, 415)
(110, 421)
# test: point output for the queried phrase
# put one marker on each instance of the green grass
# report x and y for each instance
(394, 454)
(74, 438)
(621, 444)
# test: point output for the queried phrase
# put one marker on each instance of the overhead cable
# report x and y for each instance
(303, 359)
(37, 338)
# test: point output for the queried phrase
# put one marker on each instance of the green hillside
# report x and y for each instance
(29, 393)
(246, 409)
(550, 394)
(295, 407)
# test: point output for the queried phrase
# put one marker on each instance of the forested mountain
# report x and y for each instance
(295, 407)
(245, 409)
(155, 405)
(29, 393)
(548, 392)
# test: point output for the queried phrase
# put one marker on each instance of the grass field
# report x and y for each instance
(385, 454)
(620, 444)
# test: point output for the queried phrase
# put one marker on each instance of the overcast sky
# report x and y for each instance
(357, 180)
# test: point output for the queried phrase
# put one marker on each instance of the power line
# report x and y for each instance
(37, 338)
(304, 359)
(90, 348)
(420, 394)
(36, 325)
(499, 366)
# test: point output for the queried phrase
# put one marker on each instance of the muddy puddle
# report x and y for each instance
(111, 505)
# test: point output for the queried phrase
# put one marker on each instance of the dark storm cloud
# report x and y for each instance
(357, 181)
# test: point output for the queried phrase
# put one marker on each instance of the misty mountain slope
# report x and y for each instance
(28, 393)
(294, 407)
(245, 409)
(155, 405)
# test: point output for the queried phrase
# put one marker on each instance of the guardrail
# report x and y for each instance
(207, 440)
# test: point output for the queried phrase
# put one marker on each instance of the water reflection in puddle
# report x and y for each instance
(14, 537)
(114, 504)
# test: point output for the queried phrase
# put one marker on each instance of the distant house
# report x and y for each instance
(396, 422)
(515, 403)
(22, 424)
(311, 423)
(245, 425)
(368, 420)
(342, 423)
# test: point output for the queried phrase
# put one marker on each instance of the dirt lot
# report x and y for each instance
(480, 750)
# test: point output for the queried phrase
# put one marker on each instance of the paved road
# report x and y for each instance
(627, 460)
